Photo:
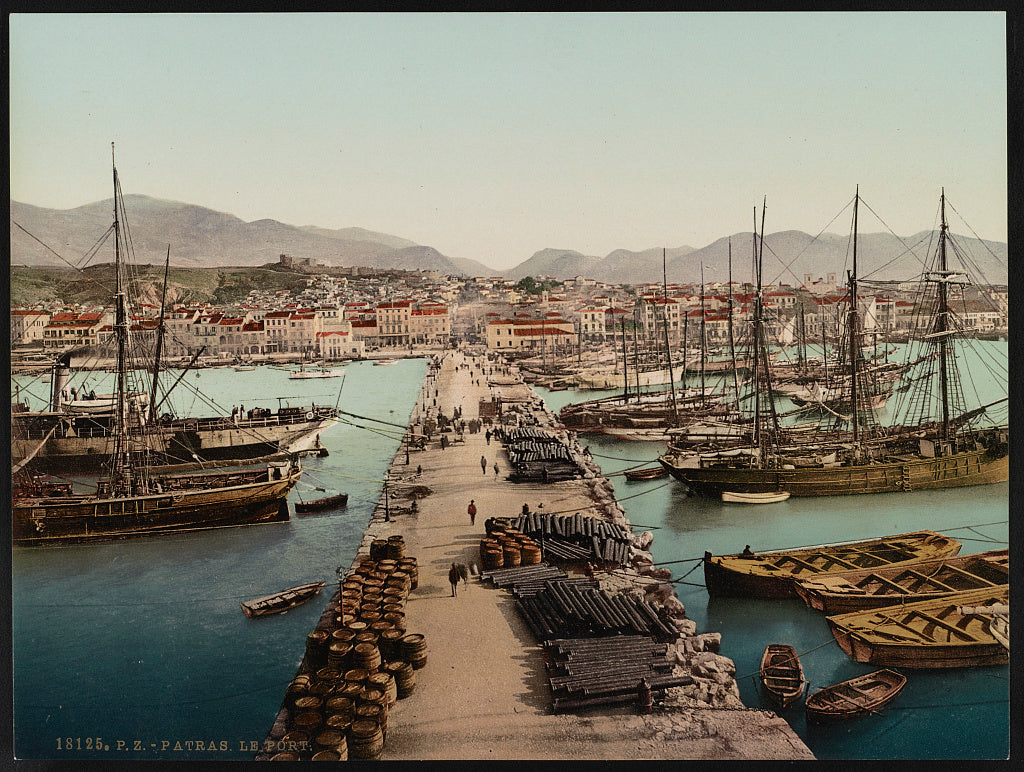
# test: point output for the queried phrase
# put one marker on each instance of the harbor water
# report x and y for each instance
(139, 648)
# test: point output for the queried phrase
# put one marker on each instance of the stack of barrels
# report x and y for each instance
(506, 547)
(359, 666)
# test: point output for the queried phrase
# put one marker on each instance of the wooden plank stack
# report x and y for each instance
(576, 537)
(583, 672)
(538, 455)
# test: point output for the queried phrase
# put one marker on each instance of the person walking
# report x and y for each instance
(488, 436)
(471, 509)
(453, 579)
(495, 470)
(483, 464)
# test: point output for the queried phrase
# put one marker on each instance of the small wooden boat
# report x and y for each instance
(927, 634)
(319, 505)
(772, 574)
(734, 497)
(781, 674)
(998, 620)
(856, 697)
(650, 473)
(857, 590)
(281, 601)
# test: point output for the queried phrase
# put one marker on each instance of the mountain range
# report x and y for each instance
(200, 237)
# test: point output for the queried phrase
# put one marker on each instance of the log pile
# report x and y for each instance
(576, 537)
(567, 609)
(585, 671)
(537, 455)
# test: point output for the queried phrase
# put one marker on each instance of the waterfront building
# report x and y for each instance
(27, 326)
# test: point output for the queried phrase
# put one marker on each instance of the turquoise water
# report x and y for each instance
(144, 640)
(954, 714)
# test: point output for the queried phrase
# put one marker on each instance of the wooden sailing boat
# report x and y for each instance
(927, 634)
(940, 449)
(772, 574)
(860, 696)
(848, 591)
(134, 501)
(782, 676)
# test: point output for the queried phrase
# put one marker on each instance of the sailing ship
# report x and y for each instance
(928, 634)
(855, 697)
(944, 445)
(133, 500)
(858, 590)
(772, 574)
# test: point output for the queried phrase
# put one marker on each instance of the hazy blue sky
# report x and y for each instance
(492, 136)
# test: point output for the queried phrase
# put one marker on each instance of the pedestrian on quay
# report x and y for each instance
(495, 470)
(453, 579)
(488, 436)
(471, 509)
(483, 464)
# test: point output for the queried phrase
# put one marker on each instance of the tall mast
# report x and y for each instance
(668, 349)
(852, 328)
(703, 339)
(625, 369)
(732, 340)
(159, 340)
(120, 458)
(636, 358)
(942, 324)
(755, 339)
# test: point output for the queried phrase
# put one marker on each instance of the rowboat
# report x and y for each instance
(998, 620)
(650, 473)
(734, 497)
(781, 674)
(319, 505)
(927, 634)
(281, 601)
(855, 697)
(772, 574)
(857, 590)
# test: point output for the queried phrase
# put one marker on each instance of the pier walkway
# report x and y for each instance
(483, 692)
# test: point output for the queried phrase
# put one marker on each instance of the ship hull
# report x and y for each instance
(69, 520)
(953, 471)
(86, 449)
(916, 656)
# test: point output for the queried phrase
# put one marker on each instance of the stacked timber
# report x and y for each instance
(566, 609)
(576, 537)
(584, 672)
(538, 455)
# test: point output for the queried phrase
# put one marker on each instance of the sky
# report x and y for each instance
(494, 136)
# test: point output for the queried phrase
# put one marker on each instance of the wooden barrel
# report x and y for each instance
(494, 558)
(370, 616)
(357, 676)
(393, 596)
(388, 607)
(367, 636)
(366, 656)
(365, 739)
(340, 721)
(353, 583)
(409, 566)
(530, 554)
(374, 711)
(387, 566)
(414, 650)
(512, 556)
(308, 721)
(356, 627)
(349, 689)
(353, 594)
(381, 626)
(396, 548)
(386, 682)
(316, 647)
(389, 644)
(338, 705)
(405, 678)
(330, 740)
(308, 702)
(378, 549)
(320, 689)
(299, 687)
(285, 756)
(396, 619)
(339, 655)
(330, 755)
(294, 742)
(343, 635)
